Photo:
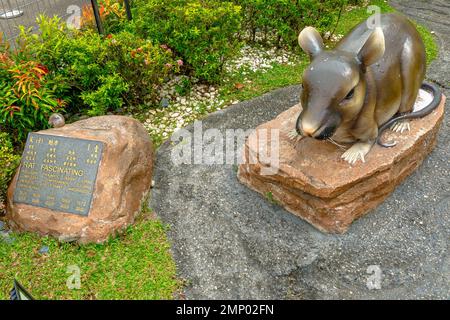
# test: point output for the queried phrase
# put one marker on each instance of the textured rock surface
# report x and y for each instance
(312, 182)
(123, 180)
(229, 242)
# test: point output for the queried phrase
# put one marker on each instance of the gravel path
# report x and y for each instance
(230, 243)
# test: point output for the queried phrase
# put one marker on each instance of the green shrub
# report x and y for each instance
(8, 165)
(280, 21)
(201, 31)
(107, 96)
(27, 97)
(142, 65)
(98, 73)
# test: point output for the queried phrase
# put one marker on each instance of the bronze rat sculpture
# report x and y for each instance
(368, 83)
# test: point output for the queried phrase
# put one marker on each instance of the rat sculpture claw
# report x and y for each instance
(294, 136)
(401, 127)
(357, 152)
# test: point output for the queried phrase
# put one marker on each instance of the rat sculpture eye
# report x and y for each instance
(350, 94)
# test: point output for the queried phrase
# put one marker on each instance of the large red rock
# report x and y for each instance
(123, 181)
(314, 183)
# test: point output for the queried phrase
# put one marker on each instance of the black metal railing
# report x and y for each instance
(14, 13)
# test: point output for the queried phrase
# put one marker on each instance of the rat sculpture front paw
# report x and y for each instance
(294, 136)
(357, 152)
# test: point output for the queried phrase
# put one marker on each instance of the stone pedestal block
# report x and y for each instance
(314, 183)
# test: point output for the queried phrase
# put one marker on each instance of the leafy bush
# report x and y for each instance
(107, 96)
(280, 21)
(201, 31)
(8, 164)
(143, 65)
(26, 96)
(97, 72)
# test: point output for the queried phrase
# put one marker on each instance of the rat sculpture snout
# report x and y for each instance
(321, 131)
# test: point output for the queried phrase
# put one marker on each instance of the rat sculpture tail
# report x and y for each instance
(437, 97)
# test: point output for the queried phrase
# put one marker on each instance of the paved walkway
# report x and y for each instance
(230, 243)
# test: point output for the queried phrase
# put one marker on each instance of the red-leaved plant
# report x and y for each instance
(26, 99)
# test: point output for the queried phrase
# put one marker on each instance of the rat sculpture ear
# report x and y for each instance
(373, 49)
(310, 41)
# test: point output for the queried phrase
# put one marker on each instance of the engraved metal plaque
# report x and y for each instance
(58, 173)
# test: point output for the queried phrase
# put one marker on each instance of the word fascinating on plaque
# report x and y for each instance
(58, 173)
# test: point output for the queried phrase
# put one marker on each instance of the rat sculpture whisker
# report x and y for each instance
(340, 146)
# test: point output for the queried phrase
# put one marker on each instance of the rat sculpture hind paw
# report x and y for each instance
(401, 126)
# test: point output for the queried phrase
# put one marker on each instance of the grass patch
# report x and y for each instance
(430, 44)
(262, 82)
(136, 265)
(271, 199)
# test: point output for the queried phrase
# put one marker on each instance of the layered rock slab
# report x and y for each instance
(312, 181)
(122, 183)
